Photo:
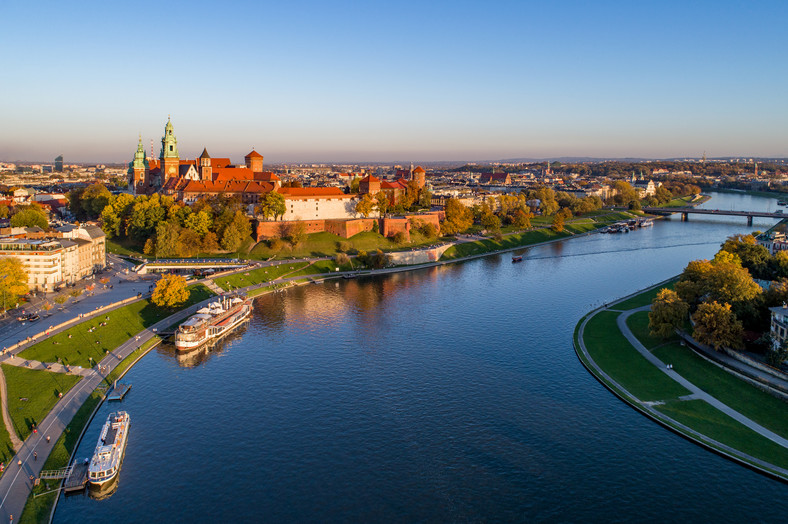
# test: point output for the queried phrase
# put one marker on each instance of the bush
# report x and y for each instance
(276, 244)
(428, 230)
(344, 246)
(401, 237)
(342, 259)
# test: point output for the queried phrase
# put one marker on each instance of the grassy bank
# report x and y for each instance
(613, 354)
(88, 342)
(258, 276)
(32, 393)
(39, 503)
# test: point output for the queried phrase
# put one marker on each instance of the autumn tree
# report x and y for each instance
(458, 217)
(381, 203)
(94, 199)
(13, 280)
(170, 291)
(624, 192)
(716, 325)
(272, 205)
(668, 312)
(365, 205)
(166, 240)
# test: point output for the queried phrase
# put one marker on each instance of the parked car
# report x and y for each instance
(33, 318)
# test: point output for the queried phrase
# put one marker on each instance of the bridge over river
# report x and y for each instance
(686, 211)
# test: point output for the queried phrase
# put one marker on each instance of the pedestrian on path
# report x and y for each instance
(35, 455)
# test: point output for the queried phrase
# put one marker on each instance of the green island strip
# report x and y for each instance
(613, 360)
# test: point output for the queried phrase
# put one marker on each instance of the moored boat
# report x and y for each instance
(212, 321)
(111, 446)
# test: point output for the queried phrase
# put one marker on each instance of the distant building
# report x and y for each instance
(498, 179)
(59, 163)
(779, 326)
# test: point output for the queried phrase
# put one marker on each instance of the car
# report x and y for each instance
(33, 318)
(24, 317)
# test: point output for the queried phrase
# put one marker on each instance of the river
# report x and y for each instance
(445, 394)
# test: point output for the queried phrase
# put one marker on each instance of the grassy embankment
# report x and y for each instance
(646, 383)
(85, 348)
(534, 236)
(39, 506)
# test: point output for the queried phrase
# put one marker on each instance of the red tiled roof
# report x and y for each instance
(419, 169)
(232, 173)
(254, 154)
(370, 178)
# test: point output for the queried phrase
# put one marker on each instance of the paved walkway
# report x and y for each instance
(697, 392)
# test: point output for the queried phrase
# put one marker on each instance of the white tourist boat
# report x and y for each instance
(105, 465)
(212, 321)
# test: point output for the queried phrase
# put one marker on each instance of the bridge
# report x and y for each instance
(686, 211)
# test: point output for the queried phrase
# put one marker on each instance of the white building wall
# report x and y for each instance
(320, 208)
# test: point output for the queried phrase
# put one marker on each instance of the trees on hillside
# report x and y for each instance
(458, 217)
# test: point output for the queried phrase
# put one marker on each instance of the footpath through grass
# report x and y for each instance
(88, 342)
(713, 423)
(258, 276)
(615, 356)
(39, 506)
(32, 393)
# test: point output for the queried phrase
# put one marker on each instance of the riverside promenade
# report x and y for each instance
(695, 393)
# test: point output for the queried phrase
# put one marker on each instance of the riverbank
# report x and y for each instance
(693, 398)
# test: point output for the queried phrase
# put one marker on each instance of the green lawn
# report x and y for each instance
(124, 247)
(123, 323)
(6, 449)
(32, 393)
(713, 423)
(615, 356)
(323, 267)
(766, 410)
(508, 242)
(258, 276)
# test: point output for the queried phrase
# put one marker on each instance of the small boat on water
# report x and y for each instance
(212, 321)
(517, 259)
(782, 203)
(111, 446)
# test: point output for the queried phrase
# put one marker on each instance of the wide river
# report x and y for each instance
(445, 394)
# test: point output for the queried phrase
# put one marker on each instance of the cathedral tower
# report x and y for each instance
(138, 169)
(169, 154)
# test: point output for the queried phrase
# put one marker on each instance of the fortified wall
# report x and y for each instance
(388, 226)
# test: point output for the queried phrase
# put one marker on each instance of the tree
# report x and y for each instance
(189, 243)
(30, 216)
(381, 203)
(365, 205)
(94, 199)
(425, 198)
(560, 218)
(722, 279)
(210, 244)
(272, 205)
(13, 280)
(401, 238)
(167, 240)
(199, 222)
(4, 211)
(521, 219)
(624, 192)
(458, 217)
(231, 239)
(296, 233)
(170, 291)
(717, 326)
(668, 312)
(491, 222)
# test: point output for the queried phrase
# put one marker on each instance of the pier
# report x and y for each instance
(118, 391)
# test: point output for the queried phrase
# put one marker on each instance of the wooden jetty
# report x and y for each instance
(77, 477)
(118, 391)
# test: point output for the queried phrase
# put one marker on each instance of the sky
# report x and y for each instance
(397, 81)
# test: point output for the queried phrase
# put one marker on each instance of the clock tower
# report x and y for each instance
(169, 154)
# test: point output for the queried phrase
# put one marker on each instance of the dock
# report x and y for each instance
(118, 391)
(77, 477)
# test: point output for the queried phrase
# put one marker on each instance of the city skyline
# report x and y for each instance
(363, 83)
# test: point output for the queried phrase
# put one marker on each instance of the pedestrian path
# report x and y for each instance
(697, 392)
(9, 425)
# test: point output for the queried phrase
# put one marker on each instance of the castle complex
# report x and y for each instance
(320, 208)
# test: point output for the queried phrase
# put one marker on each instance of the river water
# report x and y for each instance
(445, 394)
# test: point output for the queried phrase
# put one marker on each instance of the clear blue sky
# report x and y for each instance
(386, 81)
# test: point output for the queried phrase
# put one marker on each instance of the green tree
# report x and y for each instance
(170, 291)
(167, 240)
(624, 192)
(365, 205)
(199, 222)
(668, 312)
(231, 239)
(29, 216)
(94, 199)
(716, 325)
(4, 211)
(491, 222)
(425, 198)
(272, 205)
(401, 237)
(13, 280)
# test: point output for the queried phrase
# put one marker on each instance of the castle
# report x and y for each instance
(188, 180)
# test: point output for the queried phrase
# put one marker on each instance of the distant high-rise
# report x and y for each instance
(59, 163)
